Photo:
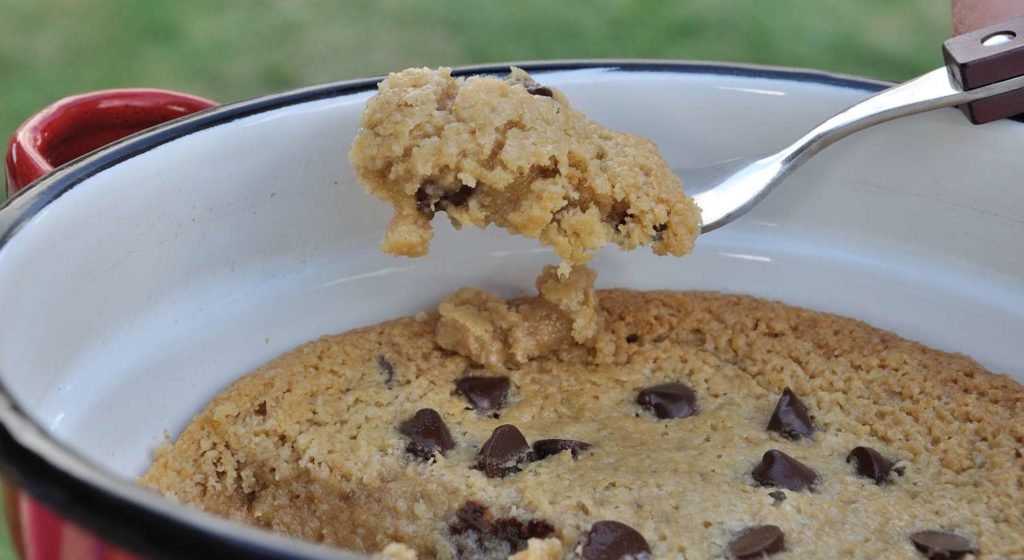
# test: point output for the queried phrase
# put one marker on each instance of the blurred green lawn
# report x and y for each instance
(234, 49)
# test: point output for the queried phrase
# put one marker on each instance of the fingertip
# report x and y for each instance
(969, 15)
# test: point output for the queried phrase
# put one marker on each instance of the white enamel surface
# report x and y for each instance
(136, 296)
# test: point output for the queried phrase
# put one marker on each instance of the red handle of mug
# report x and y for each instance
(63, 131)
(77, 125)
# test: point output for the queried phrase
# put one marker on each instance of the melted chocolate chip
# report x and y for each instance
(544, 448)
(427, 206)
(536, 89)
(484, 393)
(477, 531)
(790, 417)
(532, 86)
(611, 540)
(780, 470)
(940, 545)
(758, 541)
(537, 529)
(618, 215)
(632, 338)
(387, 369)
(777, 496)
(870, 463)
(472, 516)
(669, 400)
(516, 532)
(504, 452)
(423, 203)
(456, 199)
(427, 434)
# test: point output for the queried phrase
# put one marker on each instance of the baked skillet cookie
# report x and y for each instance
(596, 424)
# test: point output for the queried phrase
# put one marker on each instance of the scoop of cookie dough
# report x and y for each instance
(513, 153)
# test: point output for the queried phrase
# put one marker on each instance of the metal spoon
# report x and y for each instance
(727, 190)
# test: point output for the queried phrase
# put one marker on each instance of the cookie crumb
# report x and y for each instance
(395, 551)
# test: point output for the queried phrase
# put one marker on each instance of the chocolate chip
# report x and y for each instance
(632, 338)
(669, 400)
(870, 463)
(427, 434)
(387, 369)
(544, 448)
(611, 540)
(478, 532)
(484, 393)
(790, 417)
(778, 469)
(778, 496)
(504, 452)
(940, 545)
(261, 409)
(758, 541)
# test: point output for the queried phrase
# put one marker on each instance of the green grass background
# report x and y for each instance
(234, 49)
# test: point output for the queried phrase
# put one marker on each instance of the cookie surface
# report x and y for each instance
(513, 153)
(317, 443)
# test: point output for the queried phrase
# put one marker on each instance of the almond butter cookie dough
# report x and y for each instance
(514, 153)
(684, 425)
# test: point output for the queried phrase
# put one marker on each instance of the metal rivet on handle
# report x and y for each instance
(998, 38)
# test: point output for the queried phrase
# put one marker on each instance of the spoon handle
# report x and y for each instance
(988, 62)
